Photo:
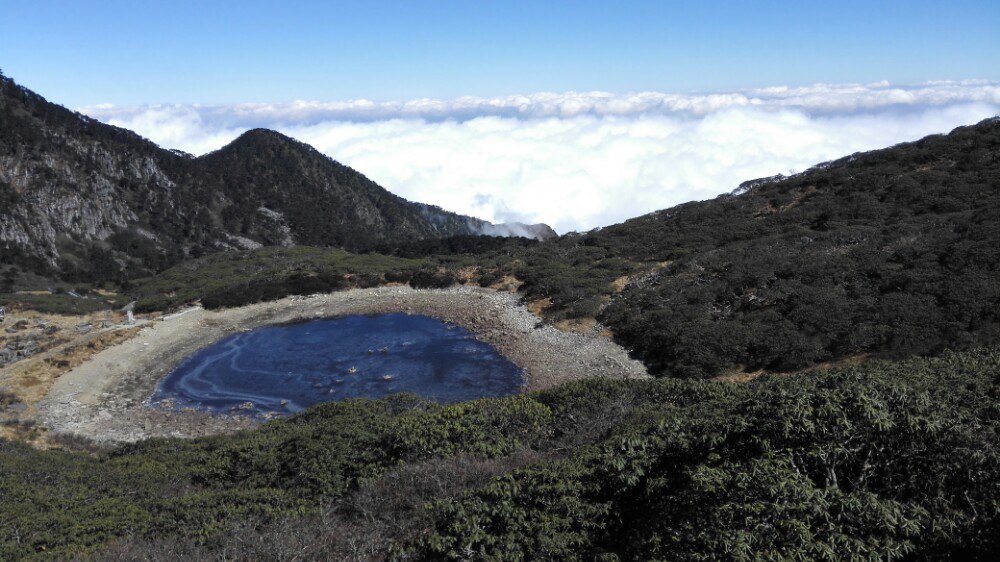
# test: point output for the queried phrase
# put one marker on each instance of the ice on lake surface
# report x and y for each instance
(287, 368)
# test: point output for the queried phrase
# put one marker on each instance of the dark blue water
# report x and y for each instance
(284, 369)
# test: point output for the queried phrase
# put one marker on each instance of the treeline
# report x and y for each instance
(461, 244)
(228, 279)
(889, 460)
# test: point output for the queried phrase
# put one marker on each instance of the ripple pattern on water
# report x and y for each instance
(287, 368)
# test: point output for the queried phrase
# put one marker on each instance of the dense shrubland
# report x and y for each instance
(885, 460)
(894, 252)
(889, 253)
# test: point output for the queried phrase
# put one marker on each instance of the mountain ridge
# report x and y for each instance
(87, 201)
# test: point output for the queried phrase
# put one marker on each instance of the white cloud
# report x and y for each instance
(581, 160)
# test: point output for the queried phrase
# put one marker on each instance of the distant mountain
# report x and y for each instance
(84, 200)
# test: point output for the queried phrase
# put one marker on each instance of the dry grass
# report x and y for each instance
(737, 375)
(30, 379)
(507, 283)
(468, 275)
(578, 325)
(618, 285)
(538, 307)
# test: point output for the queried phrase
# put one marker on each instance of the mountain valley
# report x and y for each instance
(807, 367)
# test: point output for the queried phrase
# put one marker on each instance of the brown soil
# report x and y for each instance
(739, 376)
(508, 283)
(582, 326)
(538, 307)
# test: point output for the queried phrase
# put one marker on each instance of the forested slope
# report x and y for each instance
(882, 461)
(892, 252)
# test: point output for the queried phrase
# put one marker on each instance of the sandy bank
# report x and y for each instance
(104, 398)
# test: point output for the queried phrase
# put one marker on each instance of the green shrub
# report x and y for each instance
(398, 276)
(886, 460)
(488, 278)
(297, 283)
(432, 279)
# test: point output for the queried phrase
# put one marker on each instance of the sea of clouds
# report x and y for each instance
(581, 160)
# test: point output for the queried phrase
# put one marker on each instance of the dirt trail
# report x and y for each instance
(104, 398)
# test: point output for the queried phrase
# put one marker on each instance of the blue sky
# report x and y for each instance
(523, 111)
(133, 52)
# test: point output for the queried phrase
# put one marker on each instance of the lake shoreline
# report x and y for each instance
(106, 398)
(285, 368)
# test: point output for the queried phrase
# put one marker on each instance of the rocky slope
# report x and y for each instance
(82, 200)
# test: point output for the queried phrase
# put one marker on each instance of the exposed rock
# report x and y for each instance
(84, 197)
(18, 326)
(17, 349)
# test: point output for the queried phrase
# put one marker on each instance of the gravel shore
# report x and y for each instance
(105, 398)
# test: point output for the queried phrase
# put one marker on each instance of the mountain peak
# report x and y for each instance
(138, 208)
(261, 137)
(263, 134)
